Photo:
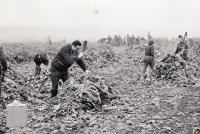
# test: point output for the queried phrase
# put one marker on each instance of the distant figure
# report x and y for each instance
(102, 40)
(40, 58)
(137, 41)
(3, 68)
(128, 40)
(119, 40)
(115, 40)
(124, 41)
(109, 39)
(182, 47)
(143, 39)
(149, 57)
(133, 40)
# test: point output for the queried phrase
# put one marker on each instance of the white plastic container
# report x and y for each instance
(16, 115)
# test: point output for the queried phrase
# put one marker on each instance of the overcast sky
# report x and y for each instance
(149, 14)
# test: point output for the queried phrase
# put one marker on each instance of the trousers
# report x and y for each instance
(55, 78)
(148, 60)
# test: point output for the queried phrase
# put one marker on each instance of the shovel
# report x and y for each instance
(84, 46)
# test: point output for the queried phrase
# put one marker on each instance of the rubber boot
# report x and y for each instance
(54, 93)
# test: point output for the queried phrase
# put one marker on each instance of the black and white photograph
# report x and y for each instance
(99, 66)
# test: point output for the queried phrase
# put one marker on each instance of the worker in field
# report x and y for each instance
(133, 40)
(109, 39)
(3, 69)
(149, 57)
(124, 41)
(143, 39)
(128, 40)
(40, 58)
(182, 47)
(64, 59)
(119, 40)
(115, 40)
(137, 41)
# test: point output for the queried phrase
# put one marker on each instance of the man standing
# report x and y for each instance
(143, 39)
(149, 57)
(109, 39)
(66, 57)
(40, 58)
(182, 47)
(3, 69)
(115, 40)
(133, 40)
(119, 41)
(137, 41)
(124, 41)
(128, 40)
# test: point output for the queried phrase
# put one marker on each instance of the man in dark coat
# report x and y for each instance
(182, 46)
(149, 57)
(3, 67)
(66, 57)
(40, 58)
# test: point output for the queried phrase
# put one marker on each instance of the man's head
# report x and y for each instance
(180, 38)
(76, 45)
(151, 42)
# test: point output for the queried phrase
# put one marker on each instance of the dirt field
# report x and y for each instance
(140, 108)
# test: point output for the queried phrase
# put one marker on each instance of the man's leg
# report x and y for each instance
(152, 64)
(64, 77)
(55, 81)
(37, 70)
(144, 70)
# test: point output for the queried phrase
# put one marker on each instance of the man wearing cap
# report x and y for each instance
(182, 47)
(66, 57)
(149, 57)
(40, 58)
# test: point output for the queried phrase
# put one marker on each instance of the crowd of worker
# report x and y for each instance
(119, 41)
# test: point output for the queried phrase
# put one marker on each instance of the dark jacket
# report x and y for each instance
(3, 59)
(182, 45)
(65, 58)
(41, 58)
(149, 50)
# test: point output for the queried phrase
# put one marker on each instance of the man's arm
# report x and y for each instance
(66, 54)
(81, 64)
(176, 50)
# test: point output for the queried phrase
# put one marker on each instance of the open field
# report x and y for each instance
(159, 106)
